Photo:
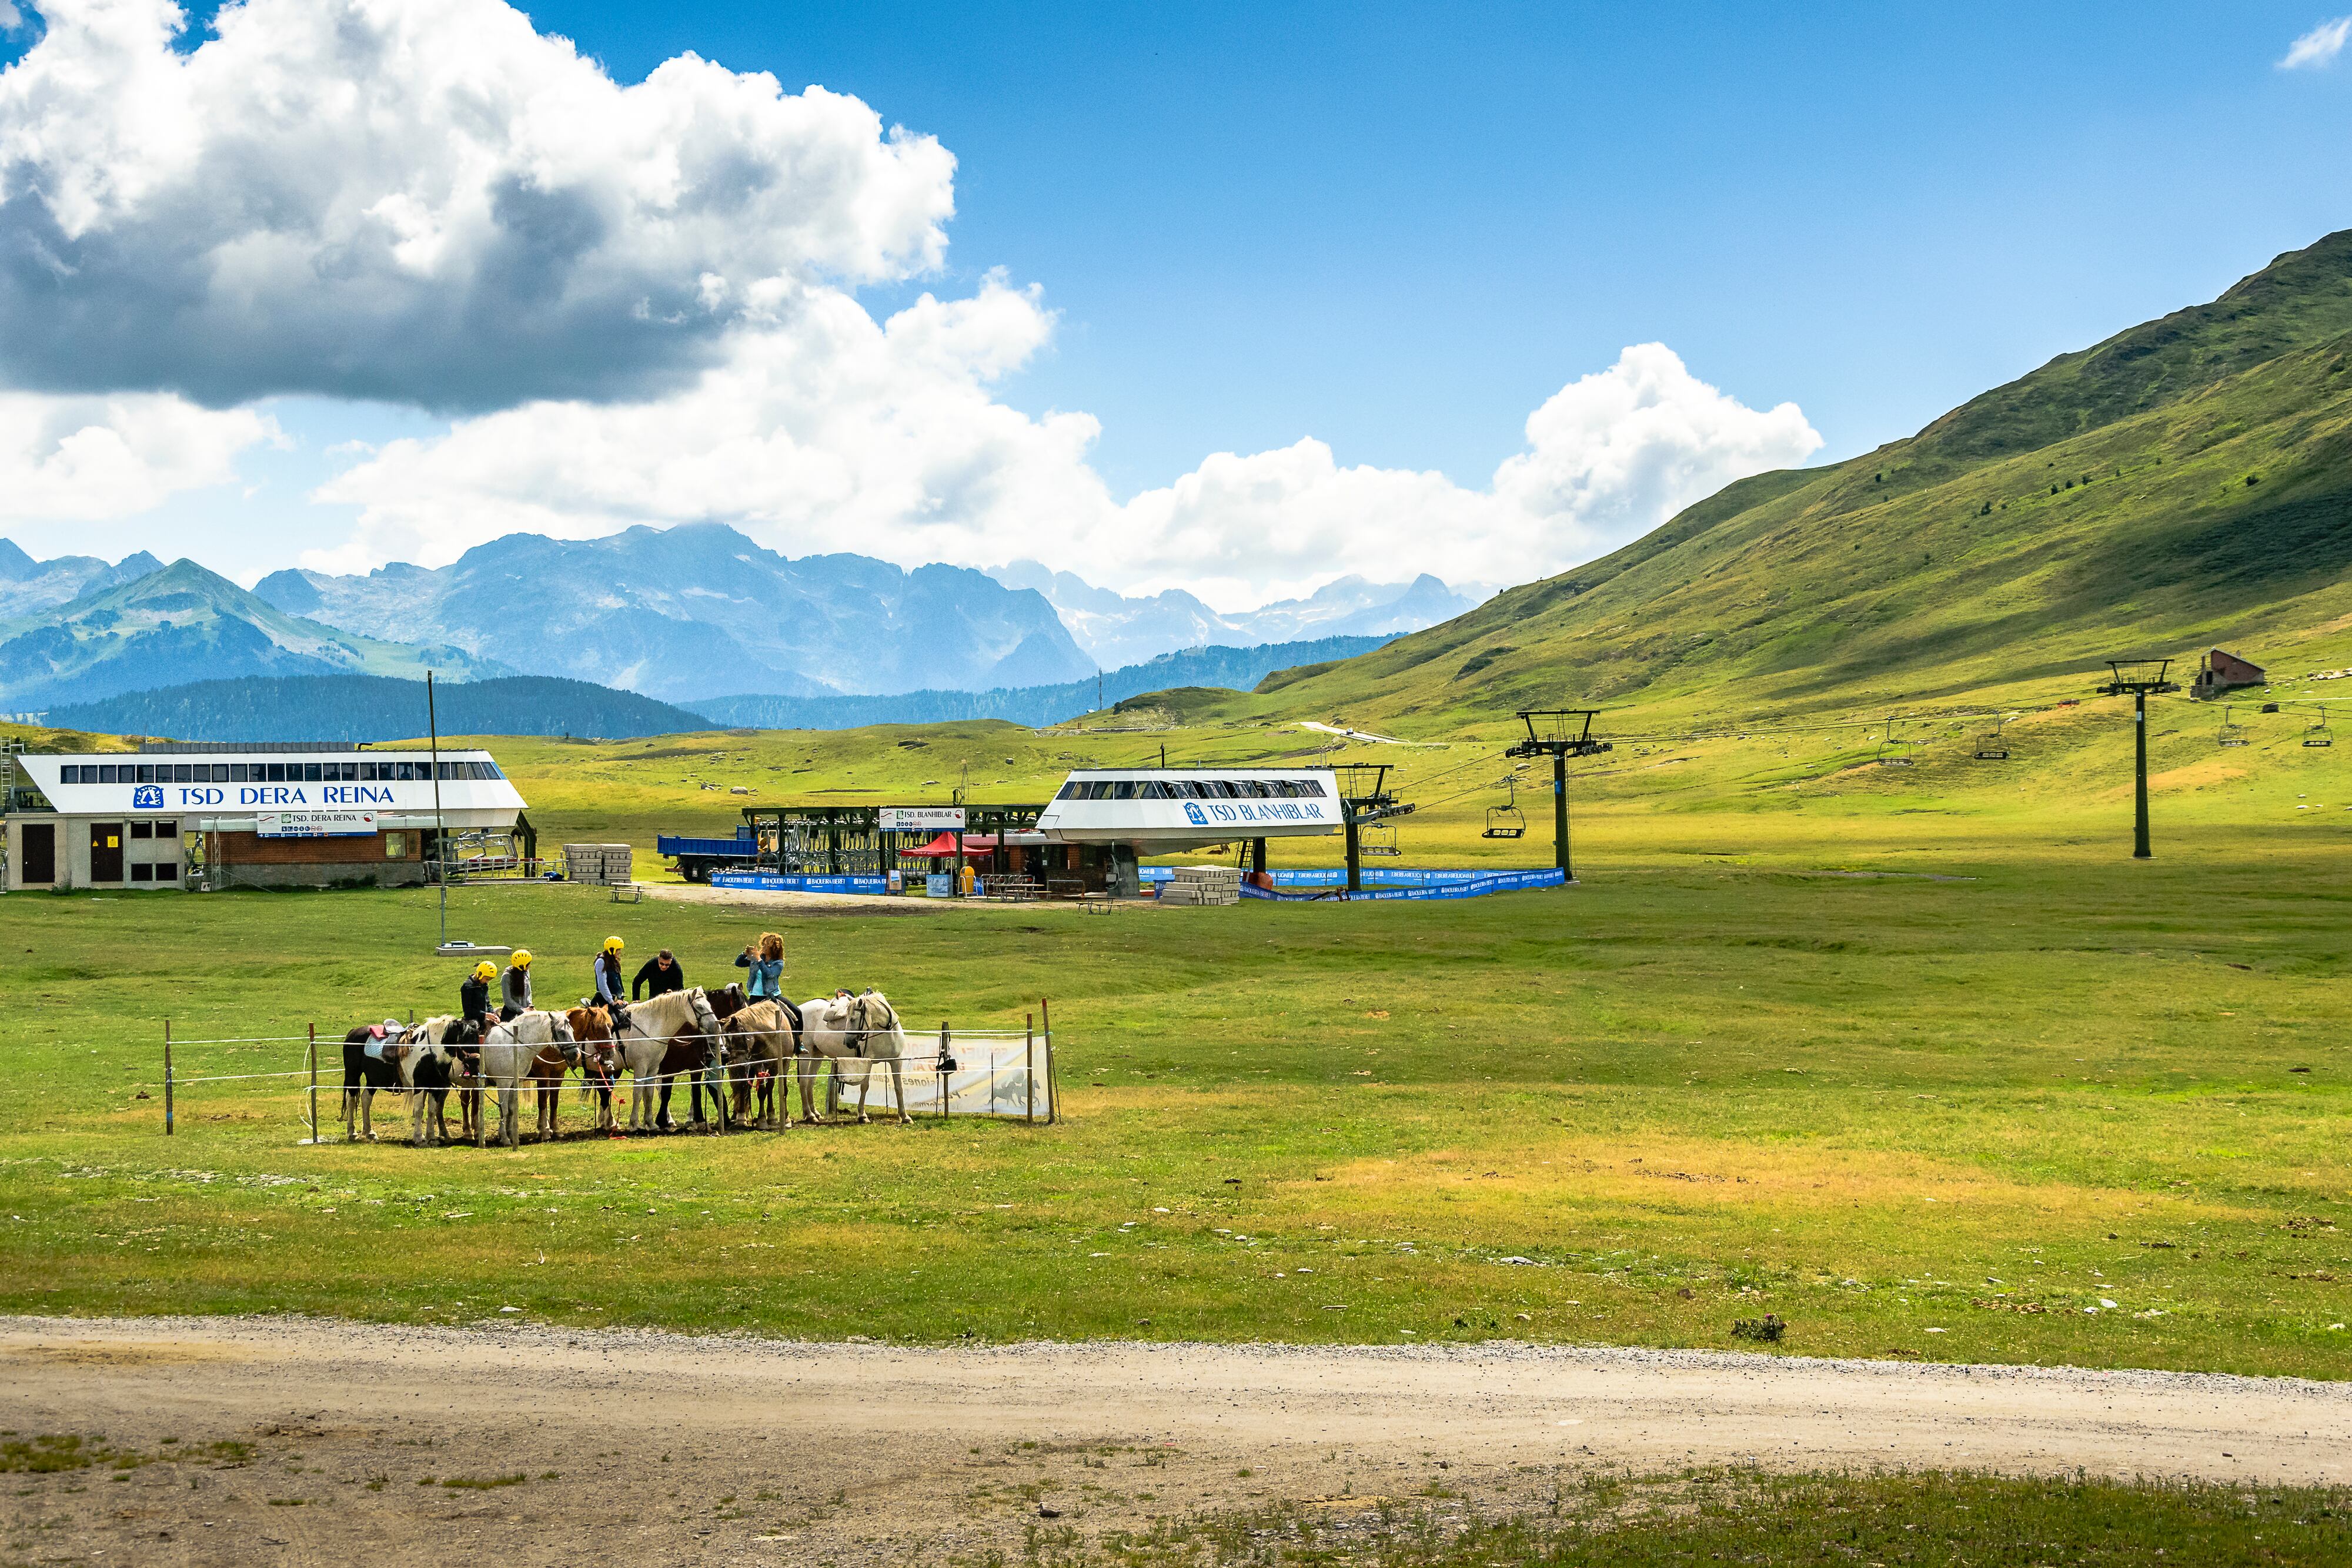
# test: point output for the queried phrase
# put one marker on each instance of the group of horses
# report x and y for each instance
(719, 1040)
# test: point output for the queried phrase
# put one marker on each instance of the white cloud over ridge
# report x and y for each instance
(885, 441)
(2319, 47)
(641, 298)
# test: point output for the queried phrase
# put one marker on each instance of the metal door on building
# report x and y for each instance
(106, 852)
(40, 853)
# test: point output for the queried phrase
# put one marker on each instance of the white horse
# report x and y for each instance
(654, 1024)
(507, 1053)
(855, 1033)
(429, 1065)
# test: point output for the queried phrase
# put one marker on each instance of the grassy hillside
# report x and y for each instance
(2185, 483)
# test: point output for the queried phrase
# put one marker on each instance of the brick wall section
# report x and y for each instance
(252, 849)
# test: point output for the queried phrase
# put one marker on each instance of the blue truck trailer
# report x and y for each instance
(698, 858)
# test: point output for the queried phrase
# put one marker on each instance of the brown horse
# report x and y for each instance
(758, 1045)
(600, 1066)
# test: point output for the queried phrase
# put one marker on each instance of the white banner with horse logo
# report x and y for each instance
(993, 1077)
(315, 825)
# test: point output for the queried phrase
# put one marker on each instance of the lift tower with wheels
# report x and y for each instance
(2135, 678)
(1365, 800)
(1559, 734)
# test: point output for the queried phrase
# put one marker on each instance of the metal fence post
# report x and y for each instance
(315, 1137)
(167, 1078)
(944, 1059)
(1053, 1081)
(1029, 1064)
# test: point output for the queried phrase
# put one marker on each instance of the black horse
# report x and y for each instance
(364, 1074)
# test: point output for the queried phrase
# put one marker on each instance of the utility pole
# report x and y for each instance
(440, 823)
(2136, 678)
(1559, 734)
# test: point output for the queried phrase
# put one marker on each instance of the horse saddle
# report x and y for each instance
(374, 1048)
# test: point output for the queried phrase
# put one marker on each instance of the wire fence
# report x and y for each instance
(999, 1074)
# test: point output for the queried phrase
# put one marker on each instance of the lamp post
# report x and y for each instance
(1559, 734)
(2136, 678)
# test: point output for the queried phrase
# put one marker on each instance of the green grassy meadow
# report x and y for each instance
(1915, 1059)
(1959, 1521)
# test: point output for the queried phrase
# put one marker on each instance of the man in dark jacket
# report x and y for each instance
(659, 975)
(662, 973)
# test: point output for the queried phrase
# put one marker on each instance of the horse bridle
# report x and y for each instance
(866, 1029)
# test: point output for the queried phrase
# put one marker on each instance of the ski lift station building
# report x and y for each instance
(1166, 811)
(263, 815)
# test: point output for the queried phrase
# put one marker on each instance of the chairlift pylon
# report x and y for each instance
(1507, 820)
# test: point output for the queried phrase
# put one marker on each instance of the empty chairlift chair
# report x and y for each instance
(1378, 839)
(2230, 733)
(1993, 746)
(1893, 751)
(2319, 734)
(1507, 821)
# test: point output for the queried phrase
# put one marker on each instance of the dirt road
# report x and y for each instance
(296, 1441)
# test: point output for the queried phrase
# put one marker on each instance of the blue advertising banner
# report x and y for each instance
(769, 881)
(1475, 885)
(1384, 876)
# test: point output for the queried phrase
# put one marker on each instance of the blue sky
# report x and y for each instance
(1393, 229)
(1400, 227)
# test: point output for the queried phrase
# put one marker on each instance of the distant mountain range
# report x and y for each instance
(1116, 630)
(375, 707)
(1238, 669)
(181, 623)
(668, 613)
(28, 586)
(674, 612)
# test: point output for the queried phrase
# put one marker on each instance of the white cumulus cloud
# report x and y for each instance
(422, 201)
(2319, 47)
(843, 435)
(90, 458)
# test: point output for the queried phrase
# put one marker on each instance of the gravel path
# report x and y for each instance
(659, 1447)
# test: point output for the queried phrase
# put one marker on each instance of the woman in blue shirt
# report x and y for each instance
(765, 960)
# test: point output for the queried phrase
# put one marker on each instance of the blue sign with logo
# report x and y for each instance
(147, 797)
(1194, 815)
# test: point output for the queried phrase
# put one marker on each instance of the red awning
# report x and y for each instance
(945, 845)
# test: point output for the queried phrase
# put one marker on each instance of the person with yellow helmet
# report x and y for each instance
(514, 985)
(474, 996)
(612, 990)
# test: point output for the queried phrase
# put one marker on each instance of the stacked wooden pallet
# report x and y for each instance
(1210, 884)
(599, 863)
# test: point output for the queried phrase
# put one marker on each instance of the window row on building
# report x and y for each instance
(270, 772)
(1190, 788)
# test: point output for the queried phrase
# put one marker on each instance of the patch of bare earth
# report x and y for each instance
(244, 1440)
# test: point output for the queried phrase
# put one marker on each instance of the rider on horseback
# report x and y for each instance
(473, 997)
(514, 987)
(612, 990)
